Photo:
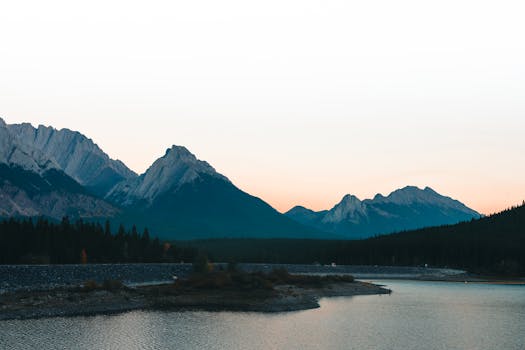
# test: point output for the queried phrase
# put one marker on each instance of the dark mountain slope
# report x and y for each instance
(213, 207)
(52, 194)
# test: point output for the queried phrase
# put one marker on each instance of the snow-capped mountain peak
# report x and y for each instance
(179, 163)
(13, 152)
(414, 195)
(350, 208)
(406, 195)
(75, 154)
(175, 168)
(180, 154)
(406, 208)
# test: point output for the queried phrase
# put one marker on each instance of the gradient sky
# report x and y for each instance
(297, 102)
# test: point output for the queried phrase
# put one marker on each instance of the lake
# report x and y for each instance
(417, 315)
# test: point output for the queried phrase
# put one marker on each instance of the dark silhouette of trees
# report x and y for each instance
(26, 241)
(491, 245)
(494, 244)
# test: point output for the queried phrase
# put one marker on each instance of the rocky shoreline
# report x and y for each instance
(62, 302)
(44, 277)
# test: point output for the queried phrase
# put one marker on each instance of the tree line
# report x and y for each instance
(490, 245)
(24, 241)
(494, 244)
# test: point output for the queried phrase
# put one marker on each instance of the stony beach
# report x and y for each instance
(43, 277)
(37, 291)
(231, 291)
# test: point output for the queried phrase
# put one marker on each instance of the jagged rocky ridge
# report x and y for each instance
(75, 154)
(33, 184)
(44, 171)
(404, 209)
(13, 152)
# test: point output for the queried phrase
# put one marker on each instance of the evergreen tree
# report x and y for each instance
(21, 241)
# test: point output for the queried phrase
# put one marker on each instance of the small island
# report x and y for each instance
(207, 288)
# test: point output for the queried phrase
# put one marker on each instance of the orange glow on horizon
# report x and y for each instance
(325, 199)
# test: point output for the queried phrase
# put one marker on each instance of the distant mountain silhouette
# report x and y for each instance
(404, 209)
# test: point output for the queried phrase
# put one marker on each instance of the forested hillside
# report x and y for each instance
(493, 244)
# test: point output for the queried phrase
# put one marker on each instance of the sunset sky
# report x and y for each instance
(297, 102)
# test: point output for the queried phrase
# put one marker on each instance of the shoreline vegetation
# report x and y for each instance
(223, 290)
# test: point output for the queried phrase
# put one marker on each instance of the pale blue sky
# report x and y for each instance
(298, 102)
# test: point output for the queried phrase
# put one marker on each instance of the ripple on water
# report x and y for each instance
(418, 315)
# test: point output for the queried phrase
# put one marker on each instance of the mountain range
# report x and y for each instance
(404, 209)
(53, 173)
(32, 183)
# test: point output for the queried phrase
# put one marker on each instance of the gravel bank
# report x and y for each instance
(62, 302)
(42, 277)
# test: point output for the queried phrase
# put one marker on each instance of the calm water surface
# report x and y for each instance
(418, 315)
